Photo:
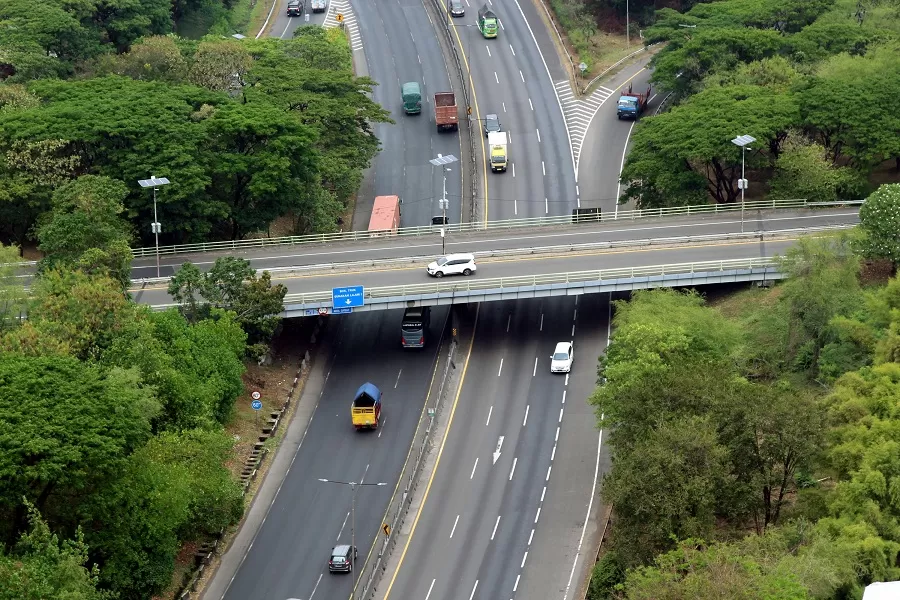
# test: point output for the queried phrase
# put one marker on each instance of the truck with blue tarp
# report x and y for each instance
(366, 408)
(631, 105)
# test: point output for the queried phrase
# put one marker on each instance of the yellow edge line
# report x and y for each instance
(628, 81)
(475, 102)
(437, 363)
(515, 259)
(436, 462)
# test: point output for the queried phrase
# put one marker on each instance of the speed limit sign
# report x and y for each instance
(323, 311)
(255, 395)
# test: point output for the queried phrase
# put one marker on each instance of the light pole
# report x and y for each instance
(743, 141)
(353, 485)
(627, 25)
(440, 161)
(154, 182)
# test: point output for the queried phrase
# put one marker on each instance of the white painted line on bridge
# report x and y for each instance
(531, 537)
(494, 532)
(490, 411)
(538, 515)
(473, 468)
(398, 379)
(513, 470)
(534, 373)
(472, 595)
(501, 368)
(524, 558)
(454, 527)
(525, 420)
(430, 587)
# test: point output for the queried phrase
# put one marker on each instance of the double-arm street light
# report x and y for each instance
(440, 161)
(353, 485)
(154, 182)
(744, 142)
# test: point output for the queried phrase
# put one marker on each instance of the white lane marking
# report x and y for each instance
(538, 515)
(546, 205)
(588, 517)
(508, 321)
(364, 475)
(344, 524)
(575, 316)
(494, 532)
(553, 454)
(490, 411)
(523, 560)
(577, 193)
(542, 322)
(567, 379)
(472, 595)
(622, 165)
(503, 104)
(556, 439)
(420, 58)
(499, 21)
(564, 397)
(398, 379)
(430, 587)
(531, 536)
(513, 470)
(381, 427)
(495, 77)
(285, 30)
(511, 50)
(533, 373)
(573, 328)
(501, 368)
(544, 491)
(526, 415)
(516, 584)
(454, 527)
(538, 135)
(543, 169)
(550, 468)
(531, 105)
(522, 76)
(516, 204)
(488, 49)
(561, 414)
(318, 581)
(514, 169)
(473, 468)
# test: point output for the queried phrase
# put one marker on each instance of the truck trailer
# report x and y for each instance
(385, 219)
(365, 411)
(446, 113)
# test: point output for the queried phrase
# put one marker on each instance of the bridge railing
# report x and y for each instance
(441, 287)
(622, 215)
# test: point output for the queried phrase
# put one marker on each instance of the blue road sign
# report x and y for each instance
(346, 297)
(346, 310)
(256, 404)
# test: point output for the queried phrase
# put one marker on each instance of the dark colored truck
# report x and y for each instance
(446, 113)
(631, 105)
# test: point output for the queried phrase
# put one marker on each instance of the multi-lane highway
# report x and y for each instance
(510, 78)
(478, 526)
(289, 557)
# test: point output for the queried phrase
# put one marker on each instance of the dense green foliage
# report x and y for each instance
(811, 80)
(778, 413)
(247, 131)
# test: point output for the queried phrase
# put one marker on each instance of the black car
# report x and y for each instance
(342, 559)
(491, 123)
(294, 8)
(456, 8)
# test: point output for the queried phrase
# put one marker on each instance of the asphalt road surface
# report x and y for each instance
(290, 553)
(477, 529)
(515, 267)
(502, 239)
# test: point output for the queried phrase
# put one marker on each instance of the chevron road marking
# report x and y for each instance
(579, 113)
(343, 7)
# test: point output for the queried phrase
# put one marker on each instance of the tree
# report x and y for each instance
(685, 155)
(41, 567)
(879, 221)
(804, 171)
(153, 58)
(67, 427)
(12, 289)
(85, 217)
(220, 65)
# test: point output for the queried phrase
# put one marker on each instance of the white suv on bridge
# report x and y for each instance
(452, 264)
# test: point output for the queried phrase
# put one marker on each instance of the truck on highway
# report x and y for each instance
(318, 5)
(487, 22)
(446, 113)
(498, 143)
(385, 219)
(366, 408)
(631, 105)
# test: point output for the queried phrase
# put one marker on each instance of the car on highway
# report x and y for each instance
(294, 8)
(452, 264)
(491, 123)
(456, 8)
(318, 5)
(562, 357)
(342, 559)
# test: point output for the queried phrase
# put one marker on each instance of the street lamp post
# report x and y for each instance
(353, 485)
(627, 25)
(154, 182)
(743, 141)
(440, 161)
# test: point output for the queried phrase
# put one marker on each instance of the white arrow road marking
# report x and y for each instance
(497, 451)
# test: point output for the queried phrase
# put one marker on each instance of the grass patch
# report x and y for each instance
(248, 16)
(586, 42)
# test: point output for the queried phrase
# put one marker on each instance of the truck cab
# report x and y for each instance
(631, 105)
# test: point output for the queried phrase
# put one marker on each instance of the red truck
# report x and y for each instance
(631, 105)
(446, 113)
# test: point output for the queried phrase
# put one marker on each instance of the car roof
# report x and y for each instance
(491, 116)
(563, 346)
(458, 256)
(341, 549)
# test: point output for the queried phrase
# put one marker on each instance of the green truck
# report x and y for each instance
(487, 22)
(412, 98)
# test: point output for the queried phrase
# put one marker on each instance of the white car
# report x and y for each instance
(561, 360)
(452, 264)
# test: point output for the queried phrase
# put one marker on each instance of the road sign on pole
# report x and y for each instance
(255, 396)
(348, 297)
(339, 17)
(256, 405)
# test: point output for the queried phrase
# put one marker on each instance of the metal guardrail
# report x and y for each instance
(320, 238)
(562, 249)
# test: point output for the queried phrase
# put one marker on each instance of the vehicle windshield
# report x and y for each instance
(411, 327)
(442, 261)
(337, 559)
(497, 159)
(628, 102)
(561, 356)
